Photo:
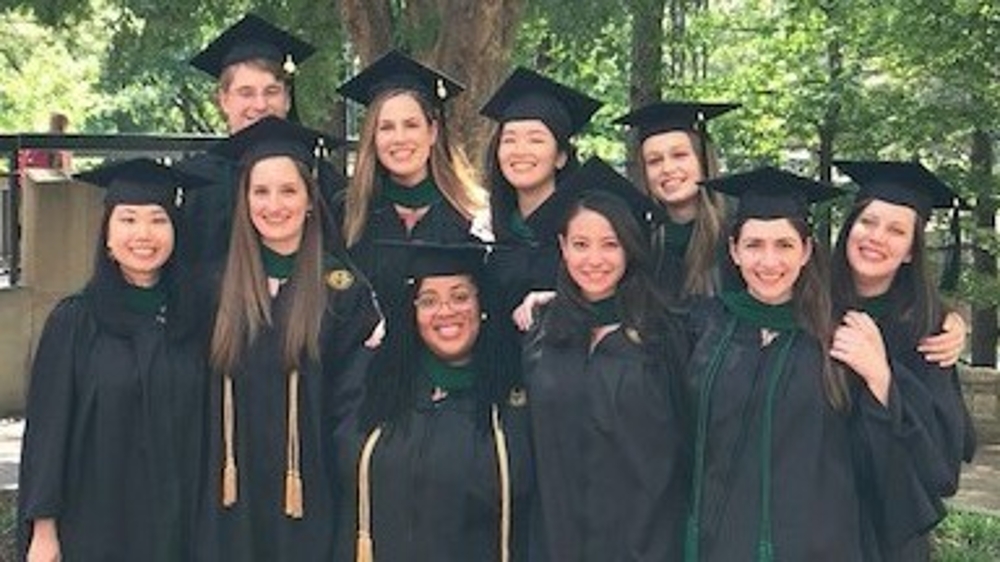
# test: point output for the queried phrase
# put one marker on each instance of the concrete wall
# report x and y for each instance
(59, 228)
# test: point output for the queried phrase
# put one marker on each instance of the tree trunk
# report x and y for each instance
(645, 83)
(369, 24)
(831, 123)
(984, 319)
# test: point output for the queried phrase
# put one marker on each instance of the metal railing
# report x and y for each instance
(124, 145)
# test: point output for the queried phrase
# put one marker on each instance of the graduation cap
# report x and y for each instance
(912, 185)
(663, 116)
(141, 181)
(770, 193)
(901, 183)
(525, 94)
(394, 70)
(597, 175)
(274, 136)
(252, 38)
(426, 258)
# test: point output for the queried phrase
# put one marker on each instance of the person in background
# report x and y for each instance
(676, 155)
(111, 456)
(602, 367)
(254, 64)
(52, 159)
(882, 293)
(444, 473)
(287, 358)
(409, 182)
(530, 152)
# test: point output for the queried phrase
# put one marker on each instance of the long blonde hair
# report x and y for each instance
(449, 167)
(245, 303)
(701, 259)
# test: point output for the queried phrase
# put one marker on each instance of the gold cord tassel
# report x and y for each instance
(228, 422)
(503, 466)
(365, 547)
(293, 475)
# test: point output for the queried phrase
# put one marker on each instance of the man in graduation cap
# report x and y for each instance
(675, 155)
(111, 461)
(254, 63)
(880, 270)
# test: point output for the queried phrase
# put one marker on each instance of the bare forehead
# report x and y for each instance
(891, 212)
(668, 140)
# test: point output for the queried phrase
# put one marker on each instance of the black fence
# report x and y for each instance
(16, 146)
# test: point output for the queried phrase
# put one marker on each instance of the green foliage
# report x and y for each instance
(46, 70)
(967, 537)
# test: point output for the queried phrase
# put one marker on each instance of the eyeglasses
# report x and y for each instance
(457, 301)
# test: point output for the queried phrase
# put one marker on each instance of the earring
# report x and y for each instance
(483, 316)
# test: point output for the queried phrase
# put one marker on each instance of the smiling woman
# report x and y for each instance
(111, 456)
(440, 462)
(409, 182)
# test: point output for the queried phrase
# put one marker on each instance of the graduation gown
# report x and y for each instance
(928, 424)
(669, 243)
(255, 527)
(385, 266)
(609, 452)
(209, 210)
(831, 478)
(435, 487)
(518, 264)
(112, 446)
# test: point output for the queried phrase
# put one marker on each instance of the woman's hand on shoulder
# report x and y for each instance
(378, 334)
(524, 314)
(946, 347)
(857, 343)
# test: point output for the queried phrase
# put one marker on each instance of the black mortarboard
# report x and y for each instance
(597, 175)
(141, 181)
(252, 38)
(273, 136)
(529, 95)
(394, 70)
(429, 259)
(901, 183)
(770, 193)
(663, 116)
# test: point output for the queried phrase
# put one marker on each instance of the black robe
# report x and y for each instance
(520, 265)
(435, 485)
(932, 430)
(832, 489)
(671, 270)
(609, 452)
(112, 446)
(387, 267)
(209, 209)
(256, 528)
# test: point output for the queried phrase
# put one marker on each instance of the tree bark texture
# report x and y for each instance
(984, 320)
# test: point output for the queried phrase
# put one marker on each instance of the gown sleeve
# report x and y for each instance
(49, 414)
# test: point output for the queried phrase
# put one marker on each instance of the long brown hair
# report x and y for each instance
(245, 304)
(813, 308)
(701, 257)
(448, 166)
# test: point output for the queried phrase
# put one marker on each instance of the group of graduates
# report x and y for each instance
(286, 365)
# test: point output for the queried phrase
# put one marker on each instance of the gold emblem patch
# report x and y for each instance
(340, 279)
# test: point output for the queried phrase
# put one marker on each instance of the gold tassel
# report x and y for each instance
(293, 477)
(229, 486)
(293, 495)
(365, 550)
(503, 469)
